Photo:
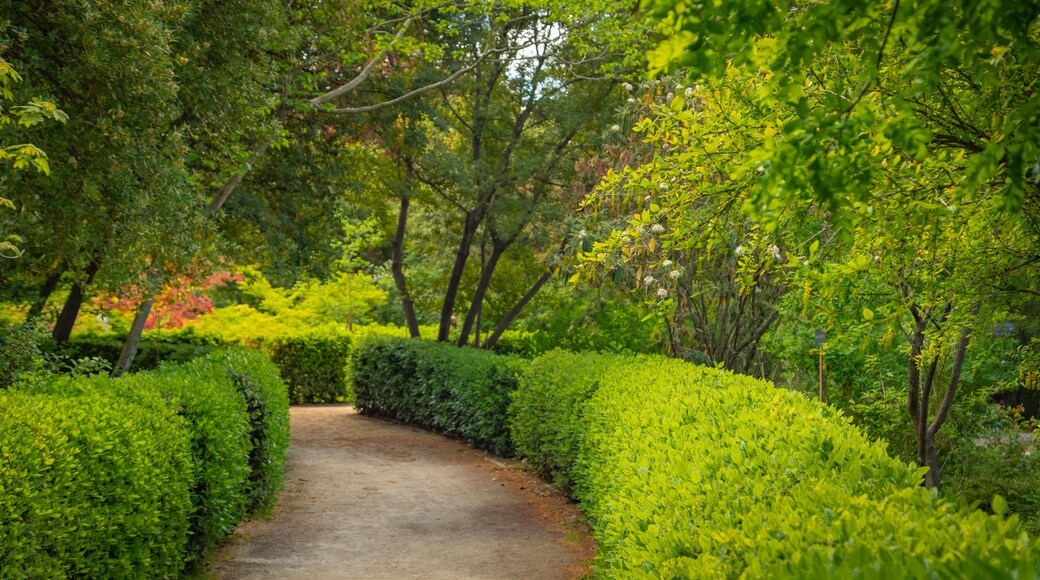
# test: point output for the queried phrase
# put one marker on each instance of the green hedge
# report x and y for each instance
(138, 476)
(462, 392)
(313, 364)
(150, 353)
(690, 472)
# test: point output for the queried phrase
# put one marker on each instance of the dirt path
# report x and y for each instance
(366, 498)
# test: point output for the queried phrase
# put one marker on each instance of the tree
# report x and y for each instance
(499, 146)
(670, 223)
(23, 155)
(912, 128)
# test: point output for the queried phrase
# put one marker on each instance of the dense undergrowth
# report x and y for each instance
(140, 476)
(690, 472)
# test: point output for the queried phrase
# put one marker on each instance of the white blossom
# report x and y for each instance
(627, 86)
(648, 280)
(666, 263)
(739, 251)
(674, 274)
(662, 293)
(626, 240)
(774, 251)
(615, 128)
(657, 229)
(662, 186)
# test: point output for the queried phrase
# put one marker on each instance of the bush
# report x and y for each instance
(150, 354)
(687, 471)
(92, 486)
(546, 414)
(461, 392)
(313, 364)
(220, 423)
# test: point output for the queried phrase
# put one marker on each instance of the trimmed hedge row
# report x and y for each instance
(690, 472)
(313, 365)
(461, 392)
(139, 476)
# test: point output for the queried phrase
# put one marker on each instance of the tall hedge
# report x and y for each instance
(462, 392)
(139, 476)
(691, 472)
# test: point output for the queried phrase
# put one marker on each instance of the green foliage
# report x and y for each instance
(93, 485)
(20, 353)
(462, 392)
(150, 354)
(687, 471)
(313, 364)
(1000, 464)
(546, 416)
(155, 467)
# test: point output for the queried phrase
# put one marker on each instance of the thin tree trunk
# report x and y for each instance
(49, 284)
(486, 274)
(515, 311)
(133, 340)
(397, 269)
(473, 220)
(931, 479)
(69, 312)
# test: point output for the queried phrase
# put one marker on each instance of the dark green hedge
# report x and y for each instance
(150, 353)
(462, 392)
(313, 365)
(692, 472)
(139, 476)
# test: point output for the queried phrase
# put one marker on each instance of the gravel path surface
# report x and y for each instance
(367, 498)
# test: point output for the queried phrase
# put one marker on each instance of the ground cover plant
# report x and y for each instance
(141, 475)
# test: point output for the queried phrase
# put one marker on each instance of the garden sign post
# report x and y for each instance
(820, 339)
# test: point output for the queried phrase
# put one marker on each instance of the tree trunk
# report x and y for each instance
(397, 268)
(69, 312)
(515, 311)
(133, 340)
(45, 293)
(486, 274)
(473, 220)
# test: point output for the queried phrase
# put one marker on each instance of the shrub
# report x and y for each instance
(150, 354)
(92, 486)
(313, 364)
(687, 471)
(462, 392)
(546, 414)
(219, 422)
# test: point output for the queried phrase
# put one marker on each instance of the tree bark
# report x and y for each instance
(515, 311)
(69, 312)
(397, 269)
(49, 284)
(133, 340)
(486, 273)
(473, 219)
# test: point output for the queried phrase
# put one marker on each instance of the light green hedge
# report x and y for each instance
(691, 472)
(139, 476)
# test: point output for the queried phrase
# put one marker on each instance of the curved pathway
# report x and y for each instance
(367, 498)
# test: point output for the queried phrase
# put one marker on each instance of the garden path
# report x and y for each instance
(367, 498)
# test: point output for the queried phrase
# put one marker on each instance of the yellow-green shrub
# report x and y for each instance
(172, 459)
(691, 472)
(92, 486)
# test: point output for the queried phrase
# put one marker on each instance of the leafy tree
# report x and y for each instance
(23, 155)
(910, 128)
